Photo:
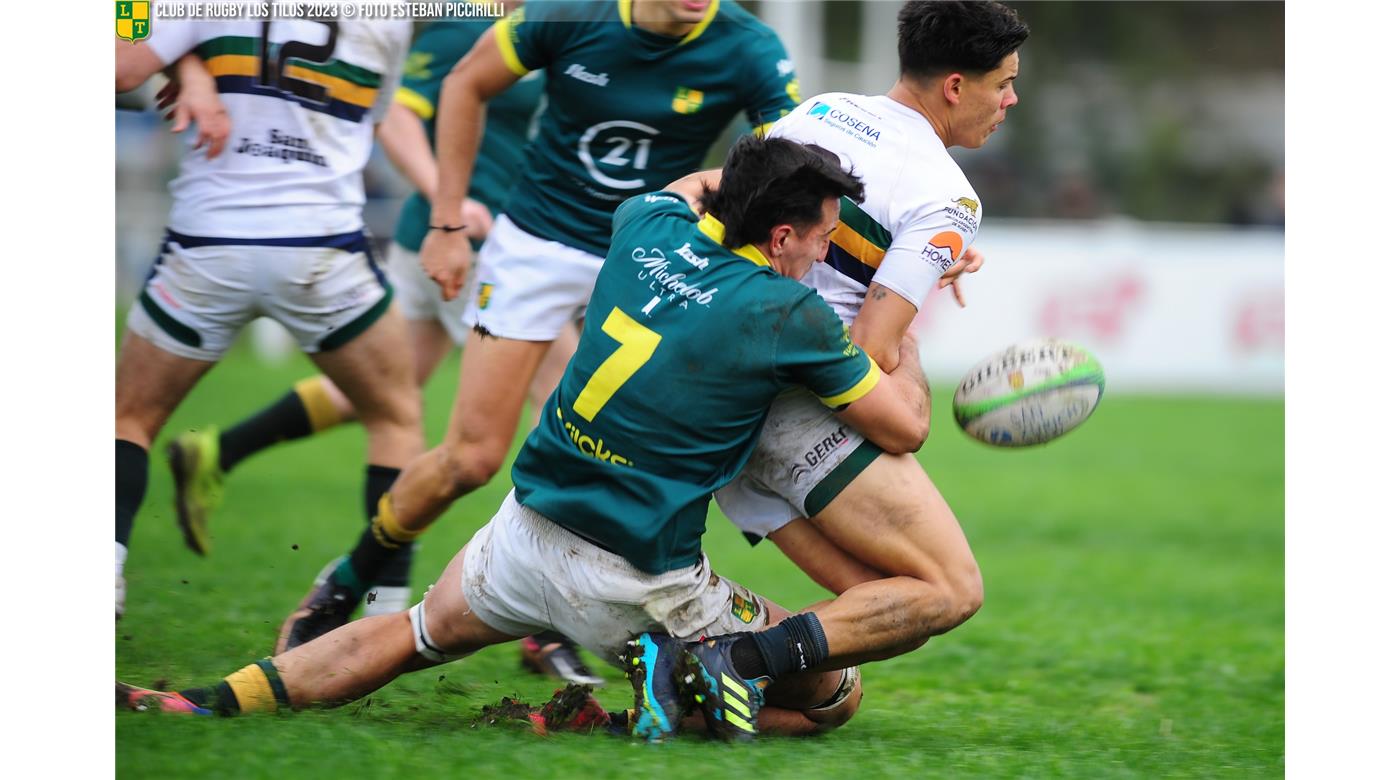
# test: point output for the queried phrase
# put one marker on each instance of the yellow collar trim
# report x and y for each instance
(714, 230)
(624, 10)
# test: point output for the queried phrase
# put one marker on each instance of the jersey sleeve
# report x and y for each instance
(775, 88)
(815, 351)
(432, 57)
(173, 38)
(395, 47)
(531, 35)
(928, 245)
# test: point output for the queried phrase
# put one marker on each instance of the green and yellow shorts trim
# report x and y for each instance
(804, 458)
(325, 290)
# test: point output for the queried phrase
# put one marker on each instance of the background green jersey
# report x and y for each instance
(685, 345)
(630, 112)
(508, 117)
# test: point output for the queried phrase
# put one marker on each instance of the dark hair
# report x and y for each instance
(942, 36)
(774, 181)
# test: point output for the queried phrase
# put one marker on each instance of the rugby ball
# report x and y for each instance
(1029, 393)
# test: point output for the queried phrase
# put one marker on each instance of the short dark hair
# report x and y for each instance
(773, 181)
(943, 36)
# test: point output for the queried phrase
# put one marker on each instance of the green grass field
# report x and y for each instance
(1133, 623)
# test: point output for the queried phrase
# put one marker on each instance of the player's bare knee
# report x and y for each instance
(471, 464)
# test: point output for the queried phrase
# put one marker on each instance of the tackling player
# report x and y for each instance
(694, 327)
(271, 227)
(637, 93)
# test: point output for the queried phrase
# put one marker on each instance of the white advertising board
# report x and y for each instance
(1165, 308)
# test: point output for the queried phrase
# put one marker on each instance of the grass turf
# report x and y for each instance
(1133, 623)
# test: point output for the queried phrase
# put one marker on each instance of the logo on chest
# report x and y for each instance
(579, 72)
(687, 100)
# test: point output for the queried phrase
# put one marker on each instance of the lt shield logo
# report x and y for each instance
(133, 20)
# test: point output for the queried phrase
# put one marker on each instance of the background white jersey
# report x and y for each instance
(919, 213)
(303, 97)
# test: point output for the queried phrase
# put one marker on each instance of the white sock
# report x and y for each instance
(121, 558)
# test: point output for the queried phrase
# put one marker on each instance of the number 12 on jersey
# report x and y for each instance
(637, 343)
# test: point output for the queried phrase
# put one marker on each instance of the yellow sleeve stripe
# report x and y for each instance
(865, 385)
(507, 47)
(763, 129)
(415, 102)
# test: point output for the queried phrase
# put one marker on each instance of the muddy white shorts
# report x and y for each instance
(419, 296)
(522, 574)
(528, 288)
(804, 458)
(324, 290)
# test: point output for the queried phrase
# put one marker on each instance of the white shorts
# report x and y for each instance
(805, 456)
(528, 288)
(522, 574)
(202, 292)
(419, 296)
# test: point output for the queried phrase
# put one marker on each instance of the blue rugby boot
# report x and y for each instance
(729, 702)
(652, 661)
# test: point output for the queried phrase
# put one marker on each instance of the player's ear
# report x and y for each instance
(777, 239)
(952, 87)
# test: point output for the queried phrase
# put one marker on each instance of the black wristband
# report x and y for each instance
(447, 228)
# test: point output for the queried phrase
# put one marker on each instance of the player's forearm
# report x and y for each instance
(194, 78)
(909, 379)
(881, 324)
(406, 144)
(693, 186)
(461, 117)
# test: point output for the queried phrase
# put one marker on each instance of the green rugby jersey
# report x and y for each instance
(629, 111)
(508, 117)
(684, 346)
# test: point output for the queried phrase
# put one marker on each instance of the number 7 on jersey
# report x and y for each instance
(637, 343)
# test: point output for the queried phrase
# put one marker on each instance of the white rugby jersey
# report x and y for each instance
(303, 97)
(919, 213)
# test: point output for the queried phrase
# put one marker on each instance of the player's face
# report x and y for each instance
(803, 248)
(985, 101)
(684, 11)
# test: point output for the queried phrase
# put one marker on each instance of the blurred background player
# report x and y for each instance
(271, 227)
(201, 459)
(637, 94)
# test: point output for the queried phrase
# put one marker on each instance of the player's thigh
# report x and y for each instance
(431, 343)
(551, 369)
(375, 370)
(450, 622)
(494, 379)
(151, 382)
(892, 518)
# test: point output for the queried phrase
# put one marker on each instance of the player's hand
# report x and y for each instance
(970, 263)
(203, 108)
(446, 258)
(477, 218)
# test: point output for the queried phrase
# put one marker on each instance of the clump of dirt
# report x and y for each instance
(509, 710)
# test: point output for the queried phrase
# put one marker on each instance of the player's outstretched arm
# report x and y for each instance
(894, 415)
(480, 76)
